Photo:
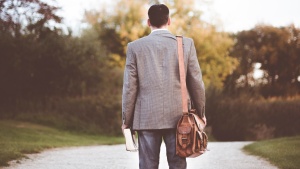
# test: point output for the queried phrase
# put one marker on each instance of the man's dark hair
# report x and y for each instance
(158, 15)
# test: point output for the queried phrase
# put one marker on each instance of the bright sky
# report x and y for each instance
(230, 15)
(238, 15)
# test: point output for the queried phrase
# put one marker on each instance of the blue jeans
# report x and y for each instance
(149, 149)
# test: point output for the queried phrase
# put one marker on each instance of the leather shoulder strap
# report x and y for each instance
(182, 75)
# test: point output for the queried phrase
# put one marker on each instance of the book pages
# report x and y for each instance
(130, 140)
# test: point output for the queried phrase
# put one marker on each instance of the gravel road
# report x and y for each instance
(222, 155)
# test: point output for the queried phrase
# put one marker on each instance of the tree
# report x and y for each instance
(21, 16)
(212, 46)
(24, 30)
(53, 78)
(277, 50)
(128, 23)
(38, 61)
(122, 26)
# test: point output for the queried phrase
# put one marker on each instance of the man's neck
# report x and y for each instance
(156, 29)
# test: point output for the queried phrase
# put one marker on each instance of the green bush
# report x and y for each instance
(245, 118)
(93, 114)
(61, 81)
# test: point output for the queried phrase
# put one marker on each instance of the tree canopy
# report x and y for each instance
(277, 50)
(24, 16)
(128, 20)
(38, 60)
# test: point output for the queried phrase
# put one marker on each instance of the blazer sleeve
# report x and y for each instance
(195, 83)
(130, 87)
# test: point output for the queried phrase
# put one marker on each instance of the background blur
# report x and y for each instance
(61, 62)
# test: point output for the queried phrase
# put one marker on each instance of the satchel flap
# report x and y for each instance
(184, 129)
(199, 122)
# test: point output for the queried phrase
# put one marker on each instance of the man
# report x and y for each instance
(151, 101)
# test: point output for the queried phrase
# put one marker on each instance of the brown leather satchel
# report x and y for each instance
(191, 140)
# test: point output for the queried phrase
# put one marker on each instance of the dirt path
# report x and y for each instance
(222, 155)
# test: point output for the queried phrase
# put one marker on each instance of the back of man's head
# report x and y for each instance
(158, 15)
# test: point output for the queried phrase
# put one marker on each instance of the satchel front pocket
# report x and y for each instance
(184, 136)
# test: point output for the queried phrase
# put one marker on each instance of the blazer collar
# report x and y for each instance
(164, 33)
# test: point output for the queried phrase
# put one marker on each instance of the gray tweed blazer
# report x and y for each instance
(151, 90)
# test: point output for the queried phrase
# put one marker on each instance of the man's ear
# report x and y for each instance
(148, 22)
(169, 21)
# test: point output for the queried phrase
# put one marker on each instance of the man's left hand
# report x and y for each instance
(204, 120)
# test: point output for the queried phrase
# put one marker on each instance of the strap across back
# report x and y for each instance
(182, 75)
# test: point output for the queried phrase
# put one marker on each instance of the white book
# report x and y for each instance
(131, 144)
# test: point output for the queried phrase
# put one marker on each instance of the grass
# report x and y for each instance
(20, 138)
(282, 152)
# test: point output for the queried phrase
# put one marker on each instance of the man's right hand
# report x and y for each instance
(124, 126)
(204, 120)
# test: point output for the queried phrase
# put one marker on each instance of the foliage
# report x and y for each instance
(252, 118)
(117, 29)
(19, 138)
(75, 83)
(89, 114)
(283, 152)
(50, 65)
(22, 16)
(127, 24)
(277, 50)
(212, 46)
(56, 79)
